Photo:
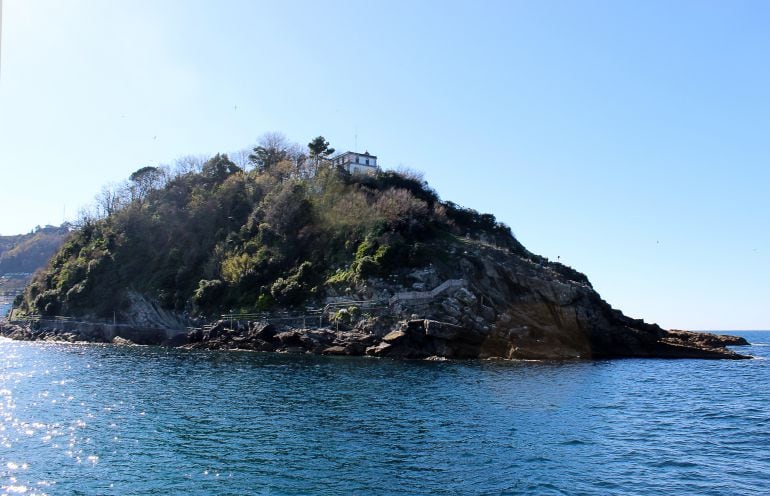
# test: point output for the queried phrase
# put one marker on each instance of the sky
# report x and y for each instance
(629, 140)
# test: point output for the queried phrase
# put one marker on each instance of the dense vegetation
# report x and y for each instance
(26, 253)
(283, 233)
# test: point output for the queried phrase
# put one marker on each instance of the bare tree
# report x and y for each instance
(110, 199)
(274, 141)
(188, 164)
(271, 149)
(241, 158)
(86, 216)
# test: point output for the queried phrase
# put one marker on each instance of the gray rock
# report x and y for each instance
(442, 330)
(122, 341)
(394, 336)
(335, 350)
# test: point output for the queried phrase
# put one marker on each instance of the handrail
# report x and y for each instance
(424, 295)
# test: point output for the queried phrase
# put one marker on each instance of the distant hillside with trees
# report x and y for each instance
(26, 253)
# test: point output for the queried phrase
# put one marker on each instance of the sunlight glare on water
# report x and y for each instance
(99, 419)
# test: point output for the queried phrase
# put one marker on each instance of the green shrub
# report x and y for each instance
(47, 303)
(367, 267)
(287, 291)
(296, 288)
(341, 316)
(366, 247)
(341, 277)
(208, 293)
(265, 302)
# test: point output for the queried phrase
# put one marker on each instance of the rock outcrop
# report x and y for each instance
(267, 337)
(82, 332)
(514, 307)
(431, 339)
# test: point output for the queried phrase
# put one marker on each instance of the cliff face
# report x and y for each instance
(491, 304)
(513, 307)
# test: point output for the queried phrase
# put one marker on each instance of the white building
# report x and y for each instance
(356, 163)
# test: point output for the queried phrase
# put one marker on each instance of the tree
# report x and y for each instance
(111, 199)
(219, 167)
(241, 158)
(272, 148)
(144, 180)
(189, 164)
(319, 149)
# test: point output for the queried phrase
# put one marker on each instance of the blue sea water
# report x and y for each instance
(5, 307)
(100, 419)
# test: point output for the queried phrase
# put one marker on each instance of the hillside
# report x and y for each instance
(221, 239)
(295, 234)
(25, 253)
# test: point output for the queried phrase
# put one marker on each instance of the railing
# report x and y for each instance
(309, 315)
(308, 318)
(24, 319)
(311, 318)
(110, 326)
(368, 304)
(427, 295)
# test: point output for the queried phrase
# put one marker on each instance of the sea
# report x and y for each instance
(109, 420)
(5, 307)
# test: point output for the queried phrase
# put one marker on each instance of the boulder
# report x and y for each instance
(265, 332)
(117, 340)
(379, 350)
(335, 350)
(443, 330)
(289, 338)
(394, 336)
(176, 341)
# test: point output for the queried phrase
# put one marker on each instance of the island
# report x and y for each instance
(306, 251)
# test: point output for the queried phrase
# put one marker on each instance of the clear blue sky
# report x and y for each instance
(631, 139)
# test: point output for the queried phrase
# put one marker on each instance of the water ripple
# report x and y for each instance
(78, 419)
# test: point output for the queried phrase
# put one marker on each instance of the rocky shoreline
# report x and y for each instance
(411, 339)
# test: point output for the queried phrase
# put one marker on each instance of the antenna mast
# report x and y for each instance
(1, 37)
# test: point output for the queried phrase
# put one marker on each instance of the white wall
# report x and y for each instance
(362, 169)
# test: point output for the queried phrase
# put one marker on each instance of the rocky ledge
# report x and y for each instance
(412, 339)
(27, 333)
(430, 339)
(82, 332)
